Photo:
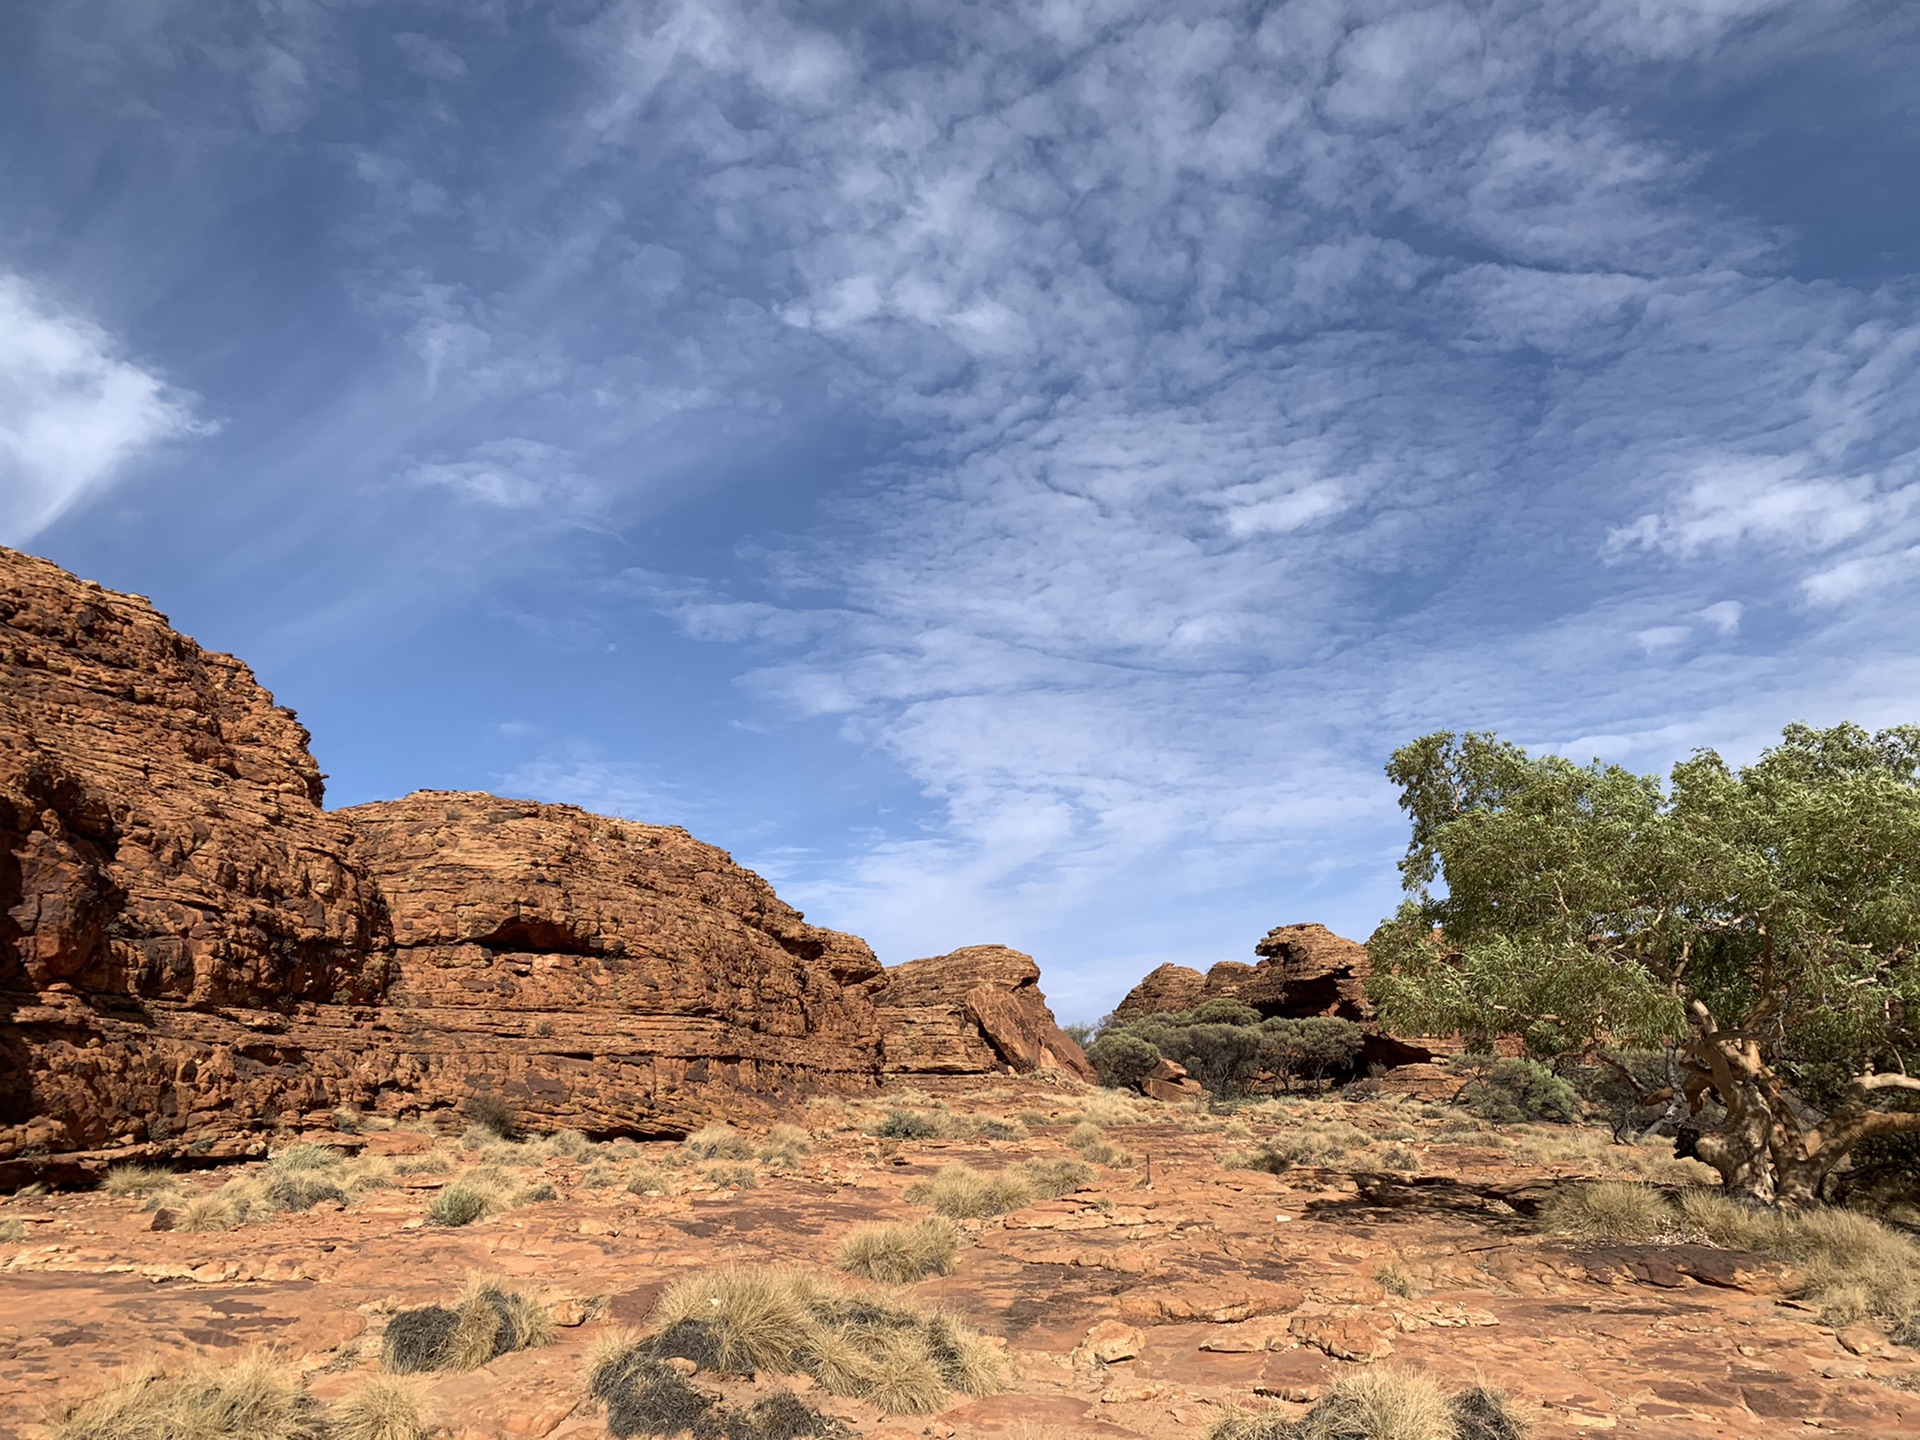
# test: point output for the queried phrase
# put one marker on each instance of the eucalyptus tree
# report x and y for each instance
(1763, 920)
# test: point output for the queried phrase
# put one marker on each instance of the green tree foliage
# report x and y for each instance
(1122, 1060)
(1513, 1091)
(1227, 1047)
(1763, 918)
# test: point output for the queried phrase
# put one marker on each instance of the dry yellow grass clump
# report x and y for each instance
(961, 1192)
(1382, 1403)
(382, 1409)
(258, 1397)
(1612, 1210)
(905, 1360)
(901, 1254)
(486, 1321)
(138, 1180)
(1852, 1266)
(719, 1142)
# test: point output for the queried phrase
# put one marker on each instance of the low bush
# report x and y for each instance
(458, 1205)
(302, 1190)
(1309, 1146)
(569, 1143)
(785, 1147)
(645, 1396)
(486, 1322)
(493, 1115)
(12, 1230)
(1122, 1061)
(731, 1177)
(259, 1397)
(1227, 1047)
(1854, 1267)
(430, 1163)
(1513, 1091)
(907, 1125)
(901, 1254)
(719, 1142)
(1108, 1108)
(1381, 1403)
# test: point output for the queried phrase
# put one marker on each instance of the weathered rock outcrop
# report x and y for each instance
(192, 948)
(975, 1009)
(1304, 970)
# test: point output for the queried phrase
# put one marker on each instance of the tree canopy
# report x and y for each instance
(1763, 919)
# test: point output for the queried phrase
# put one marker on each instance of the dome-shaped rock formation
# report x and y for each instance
(192, 949)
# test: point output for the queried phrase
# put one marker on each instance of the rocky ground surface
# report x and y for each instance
(1170, 1289)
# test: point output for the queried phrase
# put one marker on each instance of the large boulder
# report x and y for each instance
(977, 1008)
(193, 950)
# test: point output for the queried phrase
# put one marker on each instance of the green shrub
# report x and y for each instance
(1222, 1057)
(1513, 1091)
(1122, 1060)
(907, 1125)
(1223, 1010)
(1311, 1048)
(457, 1205)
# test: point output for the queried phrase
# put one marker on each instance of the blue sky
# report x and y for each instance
(1007, 472)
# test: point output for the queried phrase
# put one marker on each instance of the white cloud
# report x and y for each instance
(74, 412)
(510, 474)
(1724, 615)
(1187, 407)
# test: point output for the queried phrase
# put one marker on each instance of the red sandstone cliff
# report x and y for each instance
(192, 948)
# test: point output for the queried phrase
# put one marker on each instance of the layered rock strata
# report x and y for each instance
(1304, 970)
(974, 1010)
(193, 949)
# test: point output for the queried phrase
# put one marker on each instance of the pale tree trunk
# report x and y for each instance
(1771, 1148)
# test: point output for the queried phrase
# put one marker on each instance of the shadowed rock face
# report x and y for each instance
(1304, 970)
(192, 948)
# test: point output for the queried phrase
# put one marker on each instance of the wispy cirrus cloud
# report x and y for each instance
(74, 410)
(1118, 424)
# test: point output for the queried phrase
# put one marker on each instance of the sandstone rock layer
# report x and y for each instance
(1304, 970)
(192, 948)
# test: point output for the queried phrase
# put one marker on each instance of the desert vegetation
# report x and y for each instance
(961, 1192)
(1850, 1265)
(901, 1254)
(253, 1398)
(1228, 1047)
(488, 1319)
(1758, 920)
(903, 1359)
(1386, 1404)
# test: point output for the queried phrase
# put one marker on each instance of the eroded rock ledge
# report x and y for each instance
(192, 949)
